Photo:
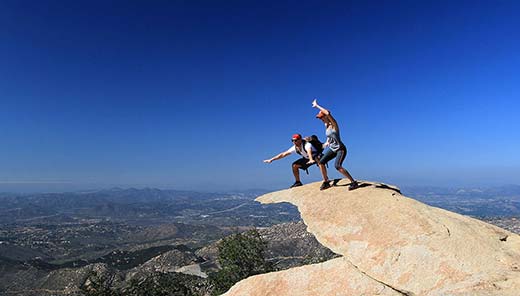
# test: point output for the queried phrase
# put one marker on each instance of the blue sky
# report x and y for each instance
(195, 94)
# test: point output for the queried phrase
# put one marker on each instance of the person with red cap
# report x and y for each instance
(336, 148)
(309, 157)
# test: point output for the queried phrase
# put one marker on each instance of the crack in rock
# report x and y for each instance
(398, 256)
(405, 293)
(447, 229)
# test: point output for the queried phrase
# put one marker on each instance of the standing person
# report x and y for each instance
(309, 157)
(336, 148)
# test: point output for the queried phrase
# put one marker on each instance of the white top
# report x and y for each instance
(301, 150)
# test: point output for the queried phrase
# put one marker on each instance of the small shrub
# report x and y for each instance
(240, 256)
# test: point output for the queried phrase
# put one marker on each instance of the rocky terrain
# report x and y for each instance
(289, 245)
(392, 245)
(54, 244)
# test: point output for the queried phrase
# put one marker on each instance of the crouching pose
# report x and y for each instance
(310, 155)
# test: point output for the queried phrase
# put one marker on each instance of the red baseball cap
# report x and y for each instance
(296, 137)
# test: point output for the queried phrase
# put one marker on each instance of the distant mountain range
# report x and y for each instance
(506, 191)
(147, 204)
(137, 204)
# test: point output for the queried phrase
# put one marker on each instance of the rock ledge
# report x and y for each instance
(391, 245)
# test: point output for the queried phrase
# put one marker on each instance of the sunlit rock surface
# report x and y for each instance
(391, 245)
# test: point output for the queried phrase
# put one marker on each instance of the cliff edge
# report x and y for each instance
(391, 245)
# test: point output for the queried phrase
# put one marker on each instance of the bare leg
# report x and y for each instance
(296, 172)
(346, 174)
(323, 170)
(339, 160)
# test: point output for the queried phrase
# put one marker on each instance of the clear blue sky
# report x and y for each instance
(195, 94)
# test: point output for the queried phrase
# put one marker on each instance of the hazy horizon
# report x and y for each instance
(56, 187)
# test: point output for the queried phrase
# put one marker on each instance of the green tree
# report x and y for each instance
(240, 256)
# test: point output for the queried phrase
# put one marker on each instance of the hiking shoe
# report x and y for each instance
(353, 185)
(324, 185)
(296, 184)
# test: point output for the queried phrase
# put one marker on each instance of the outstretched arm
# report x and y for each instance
(281, 155)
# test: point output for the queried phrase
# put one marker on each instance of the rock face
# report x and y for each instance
(391, 245)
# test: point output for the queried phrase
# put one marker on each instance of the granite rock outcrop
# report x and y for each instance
(391, 245)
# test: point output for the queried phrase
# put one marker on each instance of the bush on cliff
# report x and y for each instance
(240, 256)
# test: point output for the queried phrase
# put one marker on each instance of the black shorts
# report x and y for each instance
(303, 163)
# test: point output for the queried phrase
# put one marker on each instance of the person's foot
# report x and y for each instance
(296, 184)
(324, 185)
(353, 185)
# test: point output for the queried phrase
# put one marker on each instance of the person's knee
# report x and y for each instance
(338, 167)
(296, 166)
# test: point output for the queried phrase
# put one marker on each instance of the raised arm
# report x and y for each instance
(327, 114)
(315, 105)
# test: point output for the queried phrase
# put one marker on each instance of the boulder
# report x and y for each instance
(391, 245)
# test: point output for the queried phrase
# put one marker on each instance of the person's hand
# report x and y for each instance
(314, 103)
(311, 161)
(268, 160)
